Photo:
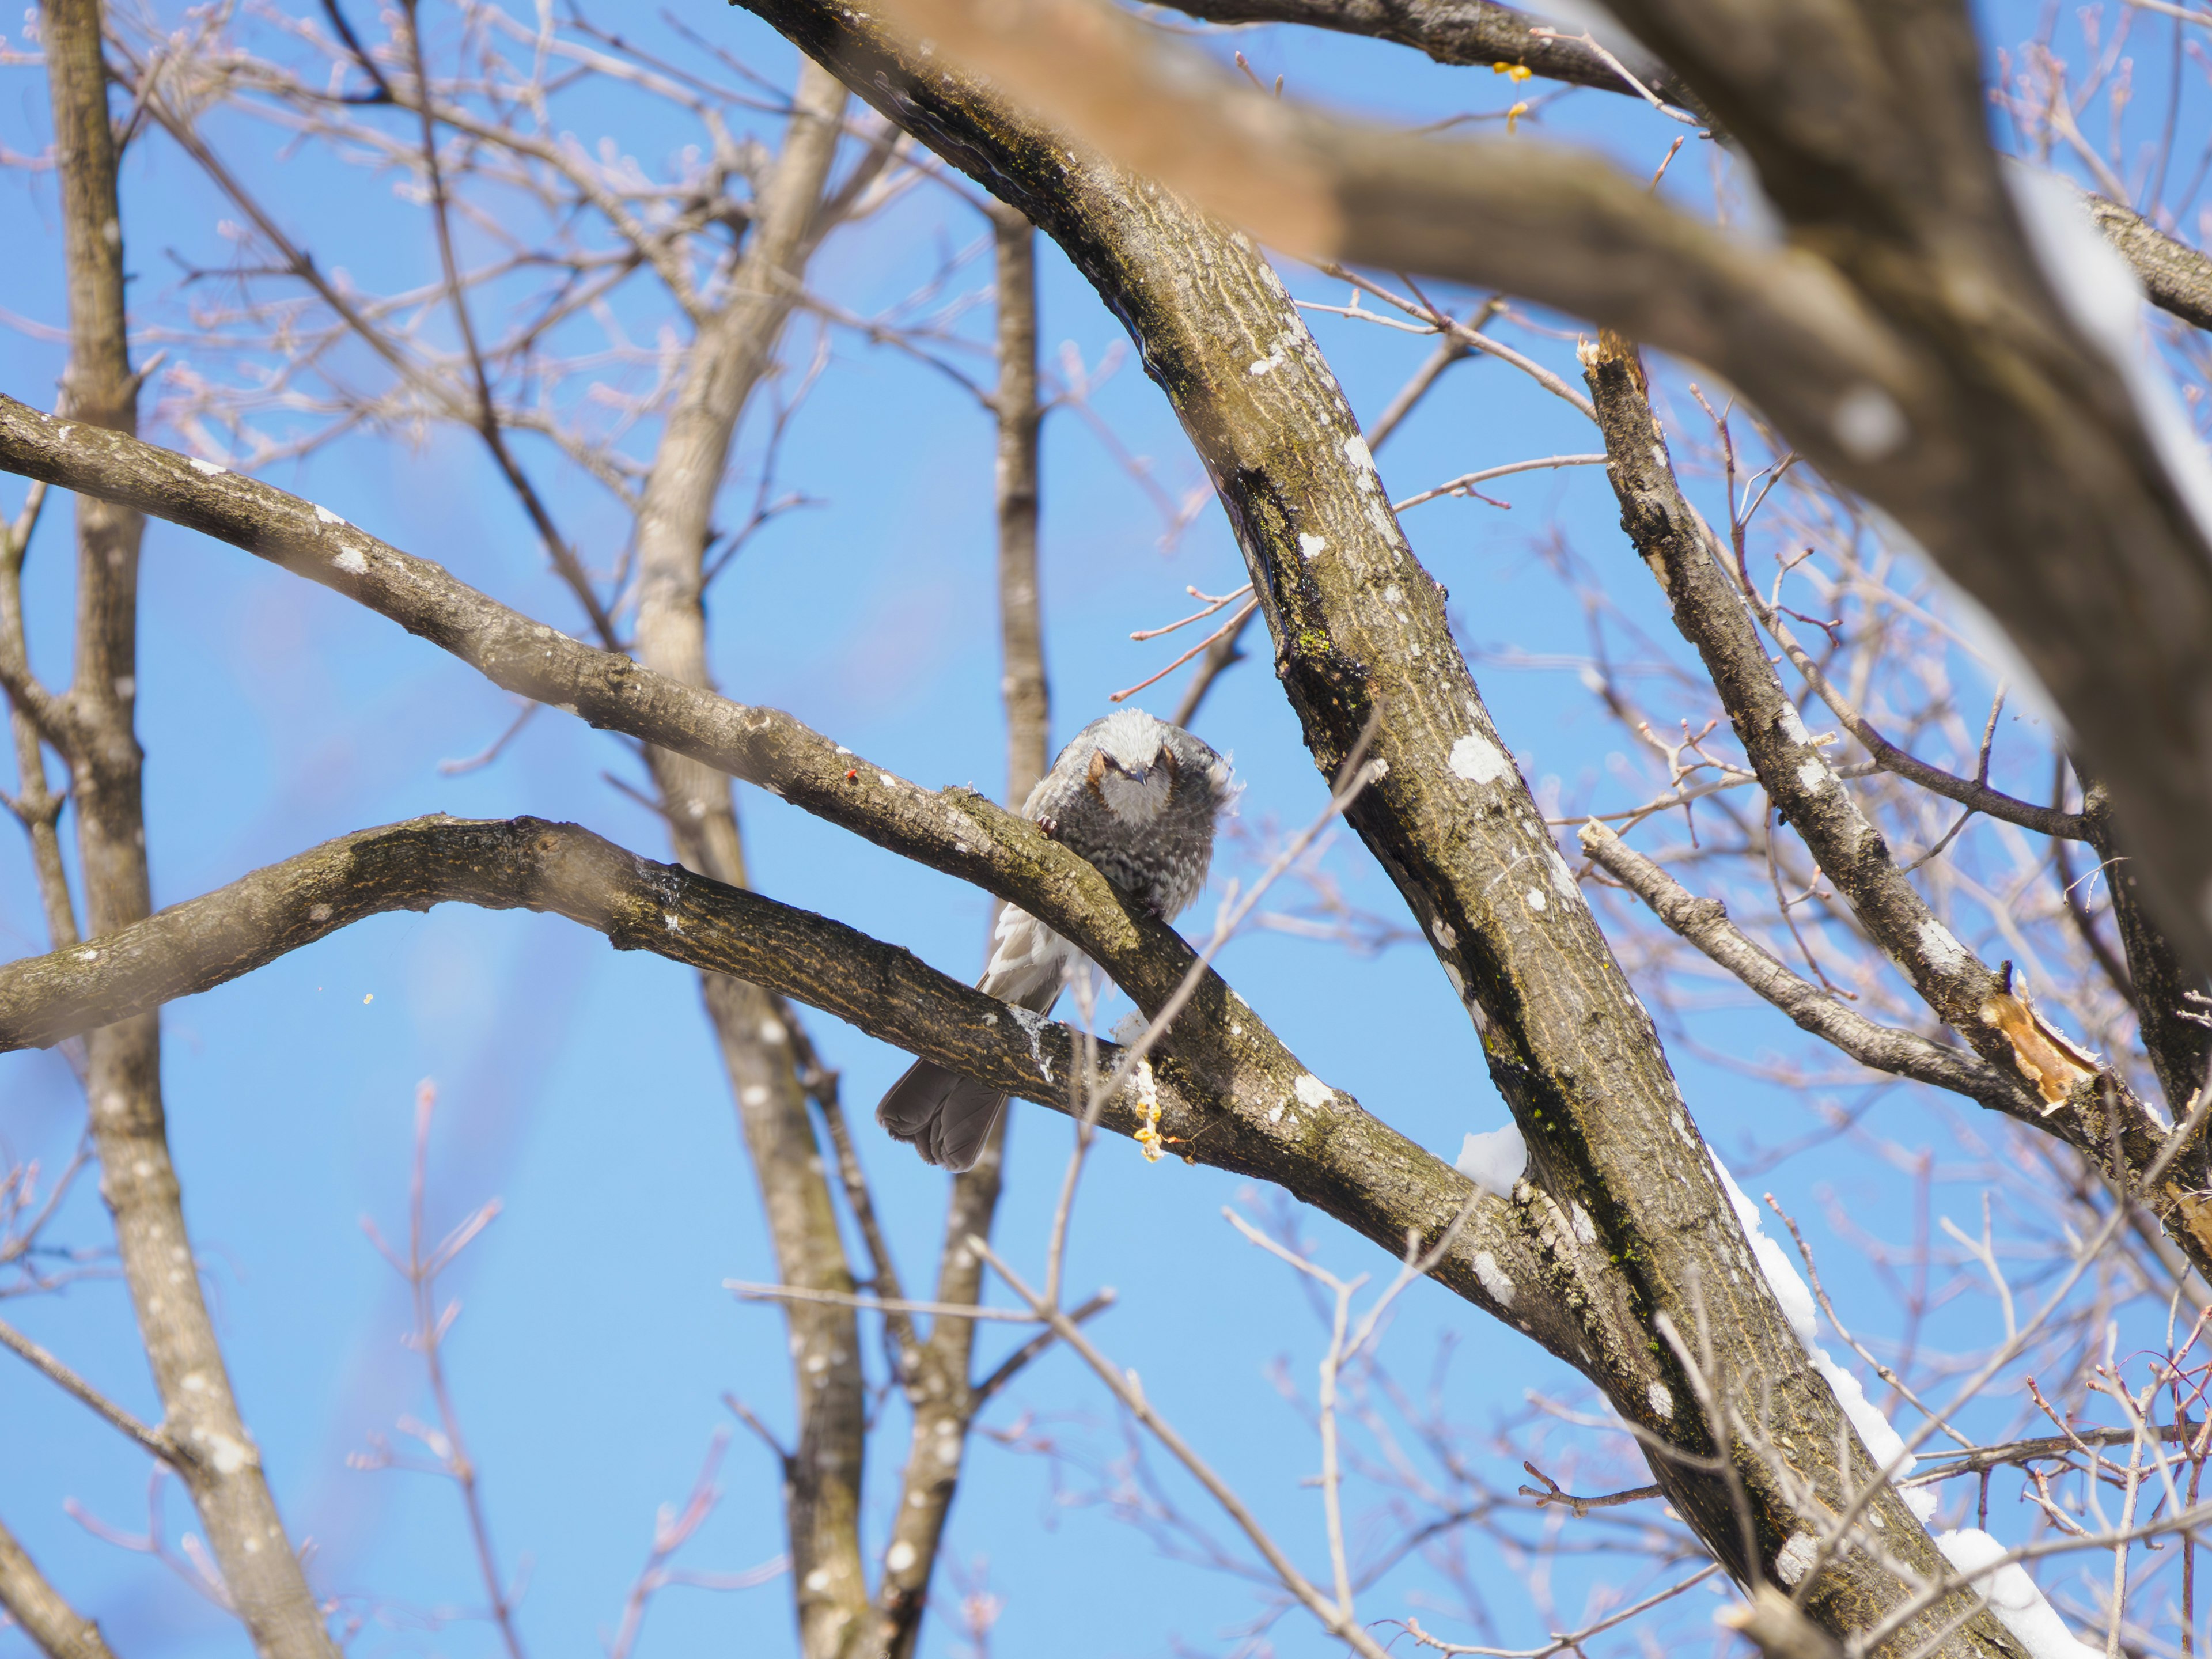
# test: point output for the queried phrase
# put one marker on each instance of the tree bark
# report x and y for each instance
(2054, 1087)
(1905, 338)
(221, 1465)
(1337, 1157)
(731, 353)
(1360, 634)
(1021, 616)
(57, 1630)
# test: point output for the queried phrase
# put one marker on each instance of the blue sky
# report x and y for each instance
(579, 1087)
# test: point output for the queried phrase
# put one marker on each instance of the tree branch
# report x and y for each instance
(2053, 1084)
(151, 1441)
(59, 1631)
(221, 1466)
(1336, 1157)
(1905, 338)
(733, 351)
(1705, 923)
(1360, 635)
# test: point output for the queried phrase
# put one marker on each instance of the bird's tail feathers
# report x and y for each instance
(947, 1117)
(942, 1116)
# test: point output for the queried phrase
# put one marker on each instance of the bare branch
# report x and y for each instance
(1705, 923)
(59, 1631)
(152, 1441)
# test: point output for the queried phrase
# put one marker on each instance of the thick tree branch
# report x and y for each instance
(1451, 32)
(2053, 1084)
(955, 830)
(1904, 339)
(2176, 277)
(1360, 634)
(1507, 1259)
(2158, 982)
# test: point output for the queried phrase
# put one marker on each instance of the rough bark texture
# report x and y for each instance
(733, 350)
(1359, 631)
(1358, 1168)
(2024, 467)
(1021, 614)
(221, 1465)
(58, 1630)
(2054, 1086)
(1450, 32)
(2172, 1025)
(940, 1384)
(2176, 277)
(1903, 338)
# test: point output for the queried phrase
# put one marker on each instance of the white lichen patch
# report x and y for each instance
(1478, 760)
(1811, 776)
(1585, 1229)
(1536, 900)
(1792, 726)
(754, 1094)
(1458, 981)
(208, 468)
(671, 921)
(887, 780)
(1357, 452)
(228, 1456)
(900, 1556)
(1562, 876)
(1444, 933)
(353, 562)
(1311, 545)
(1493, 1279)
(1944, 952)
(1663, 1403)
(1312, 1090)
(88, 955)
(319, 913)
(1795, 1559)
(323, 515)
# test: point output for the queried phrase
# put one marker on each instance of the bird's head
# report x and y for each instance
(1133, 766)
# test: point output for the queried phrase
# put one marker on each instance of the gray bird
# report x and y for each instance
(1139, 799)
